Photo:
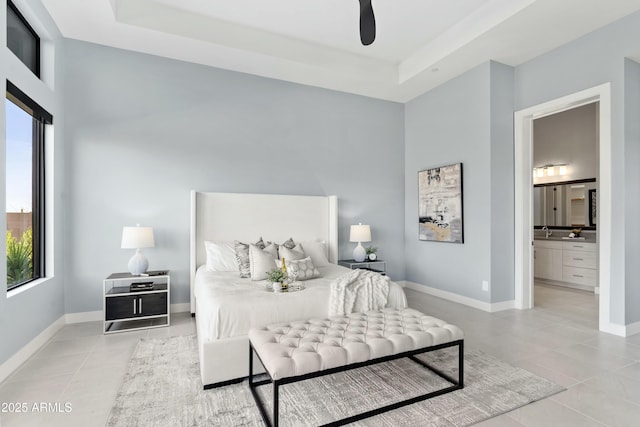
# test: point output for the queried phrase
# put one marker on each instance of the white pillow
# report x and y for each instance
(221, 256)
(304, 267)
(261, 261)
(291, 254)
(317, 251)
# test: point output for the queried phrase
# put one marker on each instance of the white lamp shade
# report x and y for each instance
(137, 237)
(360, 233)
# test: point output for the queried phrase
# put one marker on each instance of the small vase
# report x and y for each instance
(277, 286)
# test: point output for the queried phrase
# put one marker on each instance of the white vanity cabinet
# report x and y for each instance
(547, 256)
(569, 263)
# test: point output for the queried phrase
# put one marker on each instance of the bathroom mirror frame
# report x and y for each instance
(564, 183)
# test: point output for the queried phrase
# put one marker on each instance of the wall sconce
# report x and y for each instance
(550, 170)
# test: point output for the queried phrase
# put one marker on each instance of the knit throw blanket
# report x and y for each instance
(358, 291)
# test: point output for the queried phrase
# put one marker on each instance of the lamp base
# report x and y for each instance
(359, 254)
(138, 264)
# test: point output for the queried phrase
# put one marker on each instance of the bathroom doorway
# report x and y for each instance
(524, 249)
(565, 188)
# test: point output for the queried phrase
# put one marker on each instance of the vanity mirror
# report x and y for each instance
(565, 204)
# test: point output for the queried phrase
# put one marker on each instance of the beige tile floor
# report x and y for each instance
(557, 340)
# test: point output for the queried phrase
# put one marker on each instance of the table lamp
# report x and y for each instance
(136, 238)
(360, 233)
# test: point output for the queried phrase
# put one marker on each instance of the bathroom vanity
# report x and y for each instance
(566, 262)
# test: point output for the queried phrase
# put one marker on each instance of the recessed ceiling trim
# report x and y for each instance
(152, 15)
(464, 32)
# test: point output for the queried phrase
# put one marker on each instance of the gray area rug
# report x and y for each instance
(162, 387)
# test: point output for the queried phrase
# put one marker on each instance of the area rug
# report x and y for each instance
(162, 387)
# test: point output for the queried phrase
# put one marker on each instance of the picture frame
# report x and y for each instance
(593, 207)
(440, 213)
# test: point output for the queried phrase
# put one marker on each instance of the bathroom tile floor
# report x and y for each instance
(558, 340)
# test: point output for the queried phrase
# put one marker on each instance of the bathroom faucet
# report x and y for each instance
(547, 232)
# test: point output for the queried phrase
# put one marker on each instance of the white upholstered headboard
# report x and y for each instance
(247, 217)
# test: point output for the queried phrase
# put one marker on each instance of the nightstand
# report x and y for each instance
(377, 265)
(127, 308)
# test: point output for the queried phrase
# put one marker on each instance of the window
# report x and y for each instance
(25, 121)
(22, 40)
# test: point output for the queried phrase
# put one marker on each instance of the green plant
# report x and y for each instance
(19, 258)
(276, 275)
(371, 250)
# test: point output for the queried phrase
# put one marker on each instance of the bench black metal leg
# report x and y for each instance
(252, 387)
(276, 404)
(461, 364)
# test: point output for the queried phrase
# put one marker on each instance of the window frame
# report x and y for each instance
(40, 118)
(29, 28)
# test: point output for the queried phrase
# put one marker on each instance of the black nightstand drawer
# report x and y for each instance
(153, 304)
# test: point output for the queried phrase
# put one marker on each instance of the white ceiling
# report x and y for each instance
(419, 43)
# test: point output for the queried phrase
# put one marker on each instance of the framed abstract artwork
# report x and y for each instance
(440, 204)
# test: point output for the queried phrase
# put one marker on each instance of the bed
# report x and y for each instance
(227, 306)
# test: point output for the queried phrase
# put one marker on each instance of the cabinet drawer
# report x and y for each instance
(121, 307)
(579, 246)
(579, 259)
(153, 304)
(580, 276)
(550, 244)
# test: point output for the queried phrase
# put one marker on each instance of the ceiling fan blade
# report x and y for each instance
(367, 23)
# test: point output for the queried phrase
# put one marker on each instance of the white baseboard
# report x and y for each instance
(14, 362)
(450, 296)
(180, 308)
(632, 329)
(87, 316)
(614, 329)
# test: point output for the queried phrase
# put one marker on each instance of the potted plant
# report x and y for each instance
(371, 253)
(277, 277)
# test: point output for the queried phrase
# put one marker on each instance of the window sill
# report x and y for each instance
(24, 288)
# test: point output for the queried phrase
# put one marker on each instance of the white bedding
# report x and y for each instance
(228, 306)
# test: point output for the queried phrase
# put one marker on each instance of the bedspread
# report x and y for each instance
(228, 306)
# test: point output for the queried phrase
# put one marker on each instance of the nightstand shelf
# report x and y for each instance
(126, 310)
(377, 265)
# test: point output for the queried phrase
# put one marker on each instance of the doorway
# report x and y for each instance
(565, 177)
(523, 126)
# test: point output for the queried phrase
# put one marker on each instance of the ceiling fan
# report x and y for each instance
(367, 23)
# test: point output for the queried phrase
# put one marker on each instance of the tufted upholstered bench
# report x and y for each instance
(297, 351)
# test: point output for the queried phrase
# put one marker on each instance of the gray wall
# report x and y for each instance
(594, 59)
(24, 315)
(141, 131)
(569, 137)
(502, 183)
(468, 120)
(632, 202)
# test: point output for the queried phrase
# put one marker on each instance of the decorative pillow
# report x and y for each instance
(221, 256)
(289, 244)
(290, 254)
(242, 256)
(261, 261)
(317, 251)
(304, 268)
